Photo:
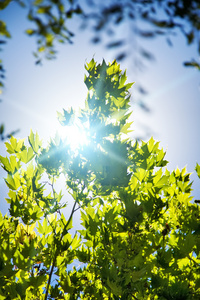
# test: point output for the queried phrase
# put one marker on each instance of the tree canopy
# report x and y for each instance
(140, 229)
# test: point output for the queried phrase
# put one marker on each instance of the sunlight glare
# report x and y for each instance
(74, 135)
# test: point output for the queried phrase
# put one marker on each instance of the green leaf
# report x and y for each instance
(189, 243)
(3, 29)
(163, 181)
(115, 288)
(197, 169)
(44, 228)
(41, 49)
(134, 182)
(193, 63)
(122, 80)
(1, 129)
(66, 285)
(14, 145)
(75, 242)
(6, 163)
(4, 4)
(34, 141)
(125, 129)
(136, 276)
(151, 144)
(30, 31)
(44, 9)
(12, 182)
(140, 174)
(26, 155)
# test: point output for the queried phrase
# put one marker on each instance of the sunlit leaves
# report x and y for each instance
(140, 234)
(108, 80)
(14, 145)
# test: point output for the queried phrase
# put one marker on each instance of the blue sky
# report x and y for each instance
(33, 94)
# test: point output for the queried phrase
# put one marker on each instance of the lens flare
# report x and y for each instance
(74, 135)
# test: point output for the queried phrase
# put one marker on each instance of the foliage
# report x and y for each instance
(148, 20)
(140, 233)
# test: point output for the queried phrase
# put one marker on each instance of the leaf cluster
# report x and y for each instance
(140, 234)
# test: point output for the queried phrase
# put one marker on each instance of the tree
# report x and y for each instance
(140, 232)
(50, 26)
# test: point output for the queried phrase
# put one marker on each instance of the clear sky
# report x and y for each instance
(33, 93)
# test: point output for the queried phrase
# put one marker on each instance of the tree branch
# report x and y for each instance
(55, 256)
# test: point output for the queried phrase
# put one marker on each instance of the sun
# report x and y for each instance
(74, 135)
